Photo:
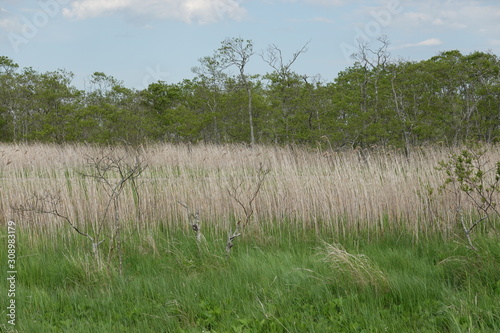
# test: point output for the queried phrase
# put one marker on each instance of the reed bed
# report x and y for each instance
(342, 192)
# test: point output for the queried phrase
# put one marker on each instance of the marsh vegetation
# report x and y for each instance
(356, 240)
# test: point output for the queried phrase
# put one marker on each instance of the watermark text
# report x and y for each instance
(372, 29)
(11, 272)
(40, 19)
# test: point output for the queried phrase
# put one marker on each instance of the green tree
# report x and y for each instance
(173, 114)
(207, 93)
(54, 116)
(8, 98)
(110, 112)
(472, 178)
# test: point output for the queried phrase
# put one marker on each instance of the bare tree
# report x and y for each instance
(247, 203)
(373, 58)
(371, 63)
(211, 73)
(274, 57)
(237, 52)
(113, 170)
(49, 203)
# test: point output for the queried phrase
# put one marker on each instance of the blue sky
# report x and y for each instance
(143, 41)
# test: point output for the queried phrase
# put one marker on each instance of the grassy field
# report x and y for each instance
(346, 241)
(280, 285)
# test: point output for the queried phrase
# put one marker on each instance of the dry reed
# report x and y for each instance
(344, 192)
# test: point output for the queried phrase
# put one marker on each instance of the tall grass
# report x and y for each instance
(317, 265)
(290, 285)
(342, 192)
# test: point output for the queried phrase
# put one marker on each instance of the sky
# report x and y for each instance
(139, 42)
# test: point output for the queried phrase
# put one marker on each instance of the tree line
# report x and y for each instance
(450, 98)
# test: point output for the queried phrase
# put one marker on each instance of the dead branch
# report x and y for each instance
(48, 204)
(236, 192)
(194, 220)
(231, 236)
(247, 206)
(38, 204)
(274, 58)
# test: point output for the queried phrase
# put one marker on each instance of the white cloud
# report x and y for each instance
(201, 11)
(450, 14)
(438, 21)
(427, 42)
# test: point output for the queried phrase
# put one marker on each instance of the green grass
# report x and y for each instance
(276, 282)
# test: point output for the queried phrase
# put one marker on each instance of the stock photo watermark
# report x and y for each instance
(372, 29)
(11, 273)
(153, 75)
(31, 26)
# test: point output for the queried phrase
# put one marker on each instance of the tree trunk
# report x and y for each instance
(250, 116)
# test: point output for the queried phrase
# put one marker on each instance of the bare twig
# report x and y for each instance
(113, 171)
(247, 205)
(47, 204)
(274, 58)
